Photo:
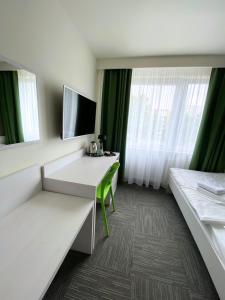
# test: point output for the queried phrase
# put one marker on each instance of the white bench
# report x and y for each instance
(37, 229)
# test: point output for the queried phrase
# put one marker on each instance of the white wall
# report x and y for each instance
(4, 66)
(39, 36)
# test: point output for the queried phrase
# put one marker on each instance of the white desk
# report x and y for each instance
(86, 171)
(82, 171)
(35, 238)
(77, 174)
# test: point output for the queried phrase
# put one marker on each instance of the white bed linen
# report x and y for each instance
(190, 178)
(208, 209)
(187, 181)
(211, 196)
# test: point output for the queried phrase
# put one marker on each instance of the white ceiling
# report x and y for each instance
(125, 28)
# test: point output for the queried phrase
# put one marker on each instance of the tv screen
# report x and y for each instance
(78, 114)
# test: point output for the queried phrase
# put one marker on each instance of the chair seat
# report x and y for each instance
(99, 192)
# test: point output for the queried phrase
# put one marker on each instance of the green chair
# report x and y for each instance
(103, 190)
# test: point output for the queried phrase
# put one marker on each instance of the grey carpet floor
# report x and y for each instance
(150, 254)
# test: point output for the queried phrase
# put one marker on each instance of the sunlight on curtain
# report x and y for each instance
(166, 107)
(28, 105)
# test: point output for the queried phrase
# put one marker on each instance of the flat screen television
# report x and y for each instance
(78, 114)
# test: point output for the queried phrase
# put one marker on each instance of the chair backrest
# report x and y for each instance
(109, 176)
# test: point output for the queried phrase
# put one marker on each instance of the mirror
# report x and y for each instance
(18, 105)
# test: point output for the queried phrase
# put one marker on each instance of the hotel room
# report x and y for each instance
(112, 150)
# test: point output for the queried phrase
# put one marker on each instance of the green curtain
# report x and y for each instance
(209, 153)
(115, 107)
(10, 107)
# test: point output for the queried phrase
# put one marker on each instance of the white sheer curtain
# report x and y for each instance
(28, 105)
(165, 111)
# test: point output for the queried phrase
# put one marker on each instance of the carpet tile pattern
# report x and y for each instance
(150, 255)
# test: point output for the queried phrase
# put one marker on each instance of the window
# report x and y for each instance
(166, 107)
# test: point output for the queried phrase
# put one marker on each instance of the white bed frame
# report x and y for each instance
(202, 238)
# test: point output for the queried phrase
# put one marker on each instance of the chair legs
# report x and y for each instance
(105, 219)
(104, 216)
(113, 201)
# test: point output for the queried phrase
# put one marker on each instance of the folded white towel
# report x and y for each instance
(208, 210)
(220, 199)
(213, 188)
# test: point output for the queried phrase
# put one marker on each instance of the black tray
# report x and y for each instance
(95, 155)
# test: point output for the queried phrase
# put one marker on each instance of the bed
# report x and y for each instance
(210, 238)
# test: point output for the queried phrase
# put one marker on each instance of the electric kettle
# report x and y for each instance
(93, 148)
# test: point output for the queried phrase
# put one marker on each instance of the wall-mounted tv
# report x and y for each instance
(78, 114)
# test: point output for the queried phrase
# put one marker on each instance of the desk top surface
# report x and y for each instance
(34, 239)
(86, 170)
